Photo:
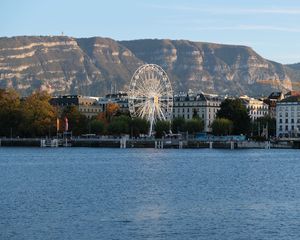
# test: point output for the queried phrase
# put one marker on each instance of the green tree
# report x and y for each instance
(118, 126)
(138, 126)
(97, 127)
(178, 124)
(194, 125)
(38, 116)
(162, 128)
(78, 123)
(195, 113)
(10, 113)
(262, 123)
(234, 110)
(222, 126)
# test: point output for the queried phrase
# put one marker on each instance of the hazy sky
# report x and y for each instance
(271, 27)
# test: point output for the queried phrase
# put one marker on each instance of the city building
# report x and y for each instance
(89, 106)
(256, 108)
(271, 101)
(120, 98)
(202, 104)
(288, 117)
(292, 93)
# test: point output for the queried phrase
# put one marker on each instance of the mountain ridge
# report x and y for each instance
(96, 65)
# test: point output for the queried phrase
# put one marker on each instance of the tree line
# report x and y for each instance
(34, 116)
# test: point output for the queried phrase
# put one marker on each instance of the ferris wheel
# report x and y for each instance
(150, 94)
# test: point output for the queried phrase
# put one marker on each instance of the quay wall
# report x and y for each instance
(149, 143)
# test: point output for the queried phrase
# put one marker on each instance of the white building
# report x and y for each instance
(288, 117)
(204, 105)
(256, 108)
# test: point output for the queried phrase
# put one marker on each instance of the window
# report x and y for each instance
(280, 120)
(292, 120)
(280, 128)
(286, 114)
(286, 128)
(286, 121)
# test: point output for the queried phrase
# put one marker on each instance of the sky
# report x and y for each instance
(270, 27)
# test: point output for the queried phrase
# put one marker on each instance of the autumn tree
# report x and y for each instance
(111, 110)
(78, 123)
(38, 116)
(10, 114)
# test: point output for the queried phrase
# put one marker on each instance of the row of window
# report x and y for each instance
(287, 108)
(214, 110)
(287, 114)
(258, 107)
(286, 128)
(90, 110)
(287, 120)
(258, 112)
(189, 116)
(196, 104)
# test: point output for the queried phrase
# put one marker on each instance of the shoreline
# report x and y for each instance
(145, 143)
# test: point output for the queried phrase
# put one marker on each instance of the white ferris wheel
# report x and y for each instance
(150, 94)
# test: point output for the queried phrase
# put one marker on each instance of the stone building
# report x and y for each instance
(271, 101)
(288, 117)
(202, 104)
(89, 106)
(256, 108)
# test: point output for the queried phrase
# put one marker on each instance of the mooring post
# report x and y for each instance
(231, 145)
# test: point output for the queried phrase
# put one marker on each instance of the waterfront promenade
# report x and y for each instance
(145, 143)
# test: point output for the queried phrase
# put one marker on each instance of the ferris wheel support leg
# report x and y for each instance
(151, 127)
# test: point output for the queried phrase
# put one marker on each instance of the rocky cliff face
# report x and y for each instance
(95, 66)
(213, 67)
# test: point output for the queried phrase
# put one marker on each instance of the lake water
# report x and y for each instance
(96, 193)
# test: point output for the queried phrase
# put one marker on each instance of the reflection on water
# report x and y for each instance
(91, 193)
